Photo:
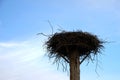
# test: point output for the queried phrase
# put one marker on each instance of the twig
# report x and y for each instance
(43, 34)
(51, 26)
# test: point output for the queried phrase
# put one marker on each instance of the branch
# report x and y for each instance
(84, 58)
(65, 58)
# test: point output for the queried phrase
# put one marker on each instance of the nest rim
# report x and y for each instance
(60, 50)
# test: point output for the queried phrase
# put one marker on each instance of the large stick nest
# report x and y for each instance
(61, 45)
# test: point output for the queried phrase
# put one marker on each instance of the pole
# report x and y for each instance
(74, 66)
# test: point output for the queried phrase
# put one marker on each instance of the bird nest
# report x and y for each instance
(63, 44)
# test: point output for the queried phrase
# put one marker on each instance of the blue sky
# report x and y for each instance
(21, 51)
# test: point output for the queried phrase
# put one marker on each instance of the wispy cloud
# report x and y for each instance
(25, 61)
(9, 44)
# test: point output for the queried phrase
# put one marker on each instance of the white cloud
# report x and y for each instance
(25, 61)
(9, 44)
